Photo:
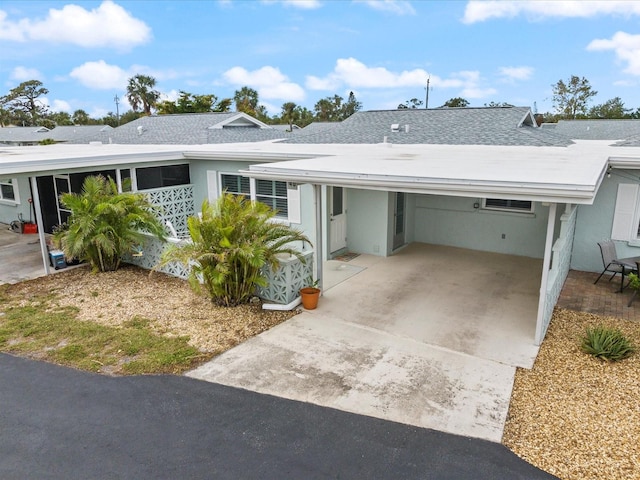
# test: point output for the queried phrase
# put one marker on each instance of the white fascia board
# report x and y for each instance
(582, 194)
(246, 156)
(57, 164)
(529, 114)
(629, 162)
(249, 118)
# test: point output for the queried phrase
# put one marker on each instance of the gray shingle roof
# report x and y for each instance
(193, 129)
(33, 135)
(595, 129)
(444, 126)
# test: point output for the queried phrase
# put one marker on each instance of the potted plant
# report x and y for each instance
(310, 295)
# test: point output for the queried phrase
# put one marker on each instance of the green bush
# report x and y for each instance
(607, 343)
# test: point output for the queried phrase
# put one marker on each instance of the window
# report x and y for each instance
(165, 176)
(274, 194)
(236, 184)
(524, 206)
(9, 190)
(283, 198)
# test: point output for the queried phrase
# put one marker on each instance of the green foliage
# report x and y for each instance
(192, 103)
(141, 93)
(607, 343)
(24, 104)
(634, 281)
(55, 334)
(457, 102)
(570, 99)
(105, 224)
(230, 244)
(335, 109)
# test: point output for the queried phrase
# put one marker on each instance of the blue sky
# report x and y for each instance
(302, 51)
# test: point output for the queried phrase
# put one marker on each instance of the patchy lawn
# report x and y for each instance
(572, 415)
(124, 322)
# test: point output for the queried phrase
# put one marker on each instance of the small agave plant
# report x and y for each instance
(607, 343)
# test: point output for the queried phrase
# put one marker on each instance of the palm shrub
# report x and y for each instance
(231, 242)
(607, 343)
(105, 224)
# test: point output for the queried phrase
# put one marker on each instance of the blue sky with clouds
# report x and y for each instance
(302, 51)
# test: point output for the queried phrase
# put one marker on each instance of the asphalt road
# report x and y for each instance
(59, 423)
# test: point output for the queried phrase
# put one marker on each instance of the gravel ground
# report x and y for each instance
(571, 415)
(112, 298)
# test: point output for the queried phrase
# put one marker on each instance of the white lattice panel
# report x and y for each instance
(285, 283)
(176, 204)
(561, 262)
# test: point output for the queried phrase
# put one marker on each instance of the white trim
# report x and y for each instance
(212, 185)
(16, 192)
(546, 267)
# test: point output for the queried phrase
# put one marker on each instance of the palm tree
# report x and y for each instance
(230, 244)
(140, 93)
(105, 224)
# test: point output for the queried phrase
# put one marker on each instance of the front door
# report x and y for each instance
(400, 203)
(338, 219)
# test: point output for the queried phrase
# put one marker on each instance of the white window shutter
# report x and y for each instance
(624, 218)
(212, 185)
(293, 203)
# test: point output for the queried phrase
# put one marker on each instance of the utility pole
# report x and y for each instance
(426, 103)
(117, 100)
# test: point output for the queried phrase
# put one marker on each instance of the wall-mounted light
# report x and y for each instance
(609, 171)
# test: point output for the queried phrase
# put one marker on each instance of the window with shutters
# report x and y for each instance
(283, 198)
(236, 184)
(524, 206)
(274, 194)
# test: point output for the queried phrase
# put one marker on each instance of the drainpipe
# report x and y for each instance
(37, 207)
(546, 265)
(317, 193)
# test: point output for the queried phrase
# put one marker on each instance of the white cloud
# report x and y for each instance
(301, 4)
(397, 7)
(626, 47)
(23, 74)
(268, 81)
(100, 75)
(515, 73)
(61, 106)
(109, 25)
(351, 74)
(479, 11)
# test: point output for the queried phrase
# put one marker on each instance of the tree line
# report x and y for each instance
(23, 106)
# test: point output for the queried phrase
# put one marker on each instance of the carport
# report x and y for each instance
(557, 178)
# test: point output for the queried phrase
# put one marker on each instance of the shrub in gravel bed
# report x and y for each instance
(607, 343)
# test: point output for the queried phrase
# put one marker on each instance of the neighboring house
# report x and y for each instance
(193, 129)
(23, 136)
(482, 179)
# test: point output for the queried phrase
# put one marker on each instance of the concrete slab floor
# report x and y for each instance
(411, 338)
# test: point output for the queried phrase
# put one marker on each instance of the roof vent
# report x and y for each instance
(406, 129)
(140, 129)
(395, 127)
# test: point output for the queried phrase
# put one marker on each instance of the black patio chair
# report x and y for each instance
(610, 260)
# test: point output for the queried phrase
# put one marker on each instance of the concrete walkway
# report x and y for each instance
(405, 339)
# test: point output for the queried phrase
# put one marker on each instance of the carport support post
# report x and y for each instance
(317, 193)
(546, 264)
(40, 223)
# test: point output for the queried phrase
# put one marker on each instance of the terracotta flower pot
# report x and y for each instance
(310, 296)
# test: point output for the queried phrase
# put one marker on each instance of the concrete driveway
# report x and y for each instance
(429, 337)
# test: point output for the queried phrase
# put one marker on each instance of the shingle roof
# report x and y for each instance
(194, 129)
(603, 129)
(442, 126)
(59, 134)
